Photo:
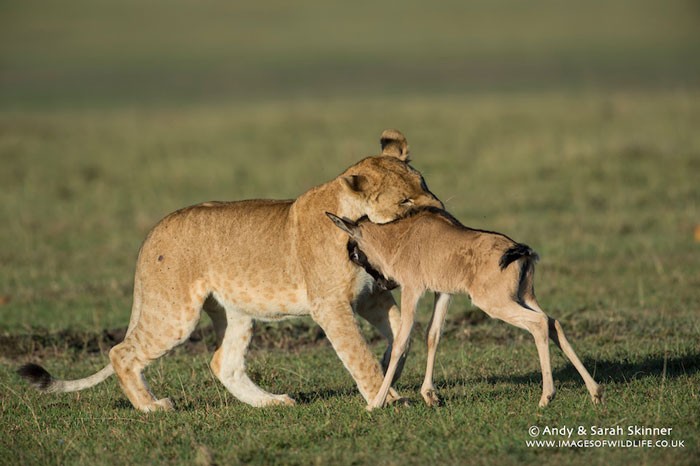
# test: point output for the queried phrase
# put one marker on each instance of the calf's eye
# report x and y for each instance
(406, 202)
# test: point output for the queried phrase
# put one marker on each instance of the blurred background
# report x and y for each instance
(79, 53)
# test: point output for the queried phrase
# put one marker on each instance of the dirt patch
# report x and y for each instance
(44, 343)
(290, 335)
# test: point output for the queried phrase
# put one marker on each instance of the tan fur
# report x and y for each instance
(429, 250)
(266, 260)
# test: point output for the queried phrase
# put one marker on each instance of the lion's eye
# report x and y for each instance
(406, 202)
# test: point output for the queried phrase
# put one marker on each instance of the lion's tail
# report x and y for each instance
(40, 379)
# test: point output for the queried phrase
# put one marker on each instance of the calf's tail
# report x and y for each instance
(516, 252)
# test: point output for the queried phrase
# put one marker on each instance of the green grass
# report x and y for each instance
(605, 193)
(573, 130)
(491, 391)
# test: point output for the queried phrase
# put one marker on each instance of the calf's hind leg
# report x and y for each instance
(557, 335)
(537, 323)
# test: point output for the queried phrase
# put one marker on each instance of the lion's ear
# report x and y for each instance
(356, 183)
(394, 144)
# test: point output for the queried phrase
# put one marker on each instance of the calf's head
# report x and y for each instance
(366, 250)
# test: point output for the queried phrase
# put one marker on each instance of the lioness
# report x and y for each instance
(266, 260)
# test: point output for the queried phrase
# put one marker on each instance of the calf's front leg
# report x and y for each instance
(379, 309)
(409, 299)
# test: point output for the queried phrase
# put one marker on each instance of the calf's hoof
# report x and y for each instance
(431, 398)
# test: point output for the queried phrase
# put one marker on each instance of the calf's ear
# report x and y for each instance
(347, 225)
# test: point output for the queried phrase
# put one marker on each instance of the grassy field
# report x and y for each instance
(574, 131)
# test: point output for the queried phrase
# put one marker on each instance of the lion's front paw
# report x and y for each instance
(164, 404)
(282, 400)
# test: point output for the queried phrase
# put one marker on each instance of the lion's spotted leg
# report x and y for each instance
(129, 366)
(137, 351)
(228, 363)
(342, 331)
(159, 328)
(379, 309)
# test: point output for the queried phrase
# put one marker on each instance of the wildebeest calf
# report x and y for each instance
(430, 250)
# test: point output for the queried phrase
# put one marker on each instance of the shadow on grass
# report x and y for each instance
(302, 398)
(603, 371)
